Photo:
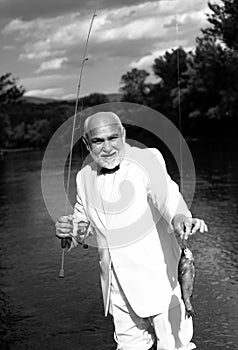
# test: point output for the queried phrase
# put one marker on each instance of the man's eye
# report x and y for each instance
(97, 142)
(113, 138)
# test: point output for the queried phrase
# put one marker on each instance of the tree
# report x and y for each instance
(224, 20)
(169, 69)
(134, 87)
(5, 129)
(166, 67)
(210, 94)
(38, 133)
(217, 56)
(93, 100)
(10, 91)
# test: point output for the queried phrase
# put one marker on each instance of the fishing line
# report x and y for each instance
(179, 109)
(84, 59)
(183, 241)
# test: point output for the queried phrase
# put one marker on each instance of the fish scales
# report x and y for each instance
(186, 274)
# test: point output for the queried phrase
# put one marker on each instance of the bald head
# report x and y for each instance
(104, 137)
(101, 119)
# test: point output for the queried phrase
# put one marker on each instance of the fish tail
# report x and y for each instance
(190, 313)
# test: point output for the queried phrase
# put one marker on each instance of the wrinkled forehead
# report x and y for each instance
(101, 119)
(104, 130)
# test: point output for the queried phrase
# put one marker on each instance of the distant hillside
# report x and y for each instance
(116, 97)
(37, 100)
(113, 97)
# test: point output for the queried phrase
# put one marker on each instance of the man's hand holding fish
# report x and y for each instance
(187, 226)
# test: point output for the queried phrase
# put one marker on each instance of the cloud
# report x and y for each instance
(54, 64)
(32, 9)
(179, 30)
(116, 31)
(70, 96)
(48, 34)
(52, 93)
(48, 38)
(126, 33)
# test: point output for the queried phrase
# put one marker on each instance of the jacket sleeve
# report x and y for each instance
(79, 214)
(164, 192)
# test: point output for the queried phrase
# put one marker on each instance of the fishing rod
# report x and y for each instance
(179, 108)
(84, 60)
(183, 241)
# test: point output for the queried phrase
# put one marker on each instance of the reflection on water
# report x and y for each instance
(39, 310)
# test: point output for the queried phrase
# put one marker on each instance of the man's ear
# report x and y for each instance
(85, 141)
(123, 134)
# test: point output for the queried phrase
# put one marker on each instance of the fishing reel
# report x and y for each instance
(80, 231)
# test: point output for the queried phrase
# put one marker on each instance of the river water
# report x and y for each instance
(41, 311)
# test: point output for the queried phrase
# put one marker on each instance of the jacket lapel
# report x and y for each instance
(95, 197)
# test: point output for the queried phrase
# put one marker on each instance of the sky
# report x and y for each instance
(42, 41)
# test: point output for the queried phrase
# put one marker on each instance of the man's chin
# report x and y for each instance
(110, 165)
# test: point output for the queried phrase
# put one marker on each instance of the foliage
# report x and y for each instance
(209, 96)
(10, 92)
(93, 100)
(224, 20)
(134, 87)
(169, 69)
(5, 129)
(199, 86)
(24, 124)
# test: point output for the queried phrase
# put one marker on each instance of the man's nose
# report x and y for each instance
(107, 146)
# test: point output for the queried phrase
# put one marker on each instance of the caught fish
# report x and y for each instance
(186, 274)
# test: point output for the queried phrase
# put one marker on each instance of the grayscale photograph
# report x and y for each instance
(118, 175)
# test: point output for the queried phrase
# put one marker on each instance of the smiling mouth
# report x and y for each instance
(108, 155)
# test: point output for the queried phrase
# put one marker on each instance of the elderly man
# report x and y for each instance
(134, 208)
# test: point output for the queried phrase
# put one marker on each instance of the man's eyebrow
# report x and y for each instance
(96, 138)
(113, 135)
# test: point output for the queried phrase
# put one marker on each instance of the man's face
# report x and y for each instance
(107, 144)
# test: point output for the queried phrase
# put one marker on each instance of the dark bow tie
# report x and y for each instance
(105, 171)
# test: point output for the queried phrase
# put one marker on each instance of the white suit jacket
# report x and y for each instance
(133, 230)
